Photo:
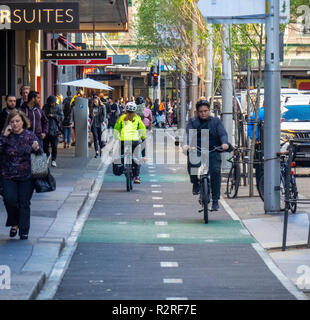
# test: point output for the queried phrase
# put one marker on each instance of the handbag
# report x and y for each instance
(39, 165)
(46, 184)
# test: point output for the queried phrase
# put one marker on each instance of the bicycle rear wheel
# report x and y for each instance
(128, 178)
(233, 181)
(205, 199)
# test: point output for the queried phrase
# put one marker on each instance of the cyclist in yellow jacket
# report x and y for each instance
(130, 128)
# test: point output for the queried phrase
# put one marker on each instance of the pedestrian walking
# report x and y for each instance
(16, 145)
(113, 113)
(148, 117)
(37, 118)
(55, 117)
(10, 106)
(67, 121)
(24, 92)
(98, 117)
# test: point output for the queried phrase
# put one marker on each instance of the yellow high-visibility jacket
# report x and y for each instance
(129, 130)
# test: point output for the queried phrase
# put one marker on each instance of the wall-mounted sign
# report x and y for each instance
(102, 62)
(72, 54)
(37, 15)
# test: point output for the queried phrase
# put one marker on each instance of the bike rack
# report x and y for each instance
(291, 156)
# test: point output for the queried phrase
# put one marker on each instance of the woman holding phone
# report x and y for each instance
(16, 145)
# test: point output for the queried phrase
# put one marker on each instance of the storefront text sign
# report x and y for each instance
(44, 16)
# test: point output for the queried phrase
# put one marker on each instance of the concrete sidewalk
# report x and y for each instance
(268, 231)
(53, 216)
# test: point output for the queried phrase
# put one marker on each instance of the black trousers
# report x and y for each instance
(53, 142)
(17, 196)
(97, 133)
(215, 163)
(135, 144)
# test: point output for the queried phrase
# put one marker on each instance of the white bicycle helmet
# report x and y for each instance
(131, 107)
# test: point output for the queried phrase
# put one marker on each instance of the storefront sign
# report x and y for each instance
(102, 62)
(72, 54)
(45, 16)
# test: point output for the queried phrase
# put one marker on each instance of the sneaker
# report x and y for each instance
(137, 180)
(23, 237)
(54, 163)
(215, 206)
(97, 155)
(196, 189)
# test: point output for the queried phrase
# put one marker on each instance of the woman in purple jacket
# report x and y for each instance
(16, 145)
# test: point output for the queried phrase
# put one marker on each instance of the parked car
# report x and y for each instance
(295, 124)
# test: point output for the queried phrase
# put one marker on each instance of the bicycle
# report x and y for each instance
(204, 181)
(129, 157)
(293, 192)
(234, 176)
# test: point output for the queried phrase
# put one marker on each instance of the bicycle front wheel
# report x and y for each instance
(233, 181)
(205, 199)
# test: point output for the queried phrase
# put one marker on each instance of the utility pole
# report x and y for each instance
(194, 82)
(227, 93)
(183, 100)
(272, 110)
(209, 80)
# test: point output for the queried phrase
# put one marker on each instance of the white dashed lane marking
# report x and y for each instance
(173, 281)
(159, 213)
(166, 248)
(163, 236)
(161, 223)
(169, 264)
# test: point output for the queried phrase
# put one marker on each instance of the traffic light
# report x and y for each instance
(155, 79)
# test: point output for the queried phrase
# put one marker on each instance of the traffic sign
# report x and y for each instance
(240, 11)
(92, 62)
(72, 54)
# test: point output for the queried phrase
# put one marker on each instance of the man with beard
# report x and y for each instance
(10, 100)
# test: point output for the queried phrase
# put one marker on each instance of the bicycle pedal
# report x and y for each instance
(201, 210)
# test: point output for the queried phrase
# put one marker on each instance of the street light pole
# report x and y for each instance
(272, 110)
(227, 94)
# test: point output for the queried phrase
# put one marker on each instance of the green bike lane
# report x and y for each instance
(152, 244)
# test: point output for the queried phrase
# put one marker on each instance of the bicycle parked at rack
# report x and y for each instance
(234, 176)
(293, 192)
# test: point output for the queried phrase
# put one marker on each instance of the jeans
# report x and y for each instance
(67, 134)
(53, 141)
(215, 163)
(97, 133)
(17, 196)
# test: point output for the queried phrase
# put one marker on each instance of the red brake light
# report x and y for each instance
(293, 165)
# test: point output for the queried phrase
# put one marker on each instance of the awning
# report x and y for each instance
(87, 83)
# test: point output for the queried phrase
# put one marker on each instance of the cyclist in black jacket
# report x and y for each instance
(217, 138)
